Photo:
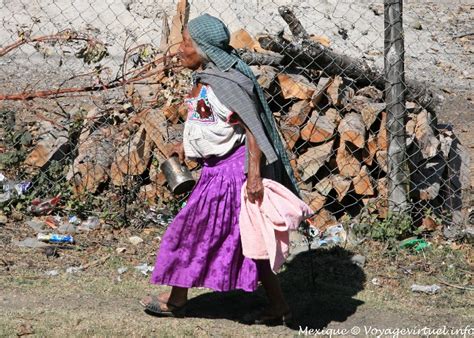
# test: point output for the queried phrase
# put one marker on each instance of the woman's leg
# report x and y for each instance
(271, 284)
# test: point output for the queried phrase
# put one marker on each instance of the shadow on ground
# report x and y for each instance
(318, 284)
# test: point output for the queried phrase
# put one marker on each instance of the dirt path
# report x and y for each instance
(343, 296)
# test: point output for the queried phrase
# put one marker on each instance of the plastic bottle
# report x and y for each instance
(55, 238)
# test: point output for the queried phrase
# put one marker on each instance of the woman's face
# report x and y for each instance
(188, 54)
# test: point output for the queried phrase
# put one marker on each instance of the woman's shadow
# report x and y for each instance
(318, 285)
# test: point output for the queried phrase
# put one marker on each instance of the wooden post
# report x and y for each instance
(395, 90)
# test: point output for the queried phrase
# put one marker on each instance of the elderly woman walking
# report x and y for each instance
(231, 131)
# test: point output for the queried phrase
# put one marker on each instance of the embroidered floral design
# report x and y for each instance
(203, 109)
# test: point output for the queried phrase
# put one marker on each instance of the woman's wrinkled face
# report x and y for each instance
(188, 54)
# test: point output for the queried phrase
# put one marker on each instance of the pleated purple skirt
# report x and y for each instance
(201, 247)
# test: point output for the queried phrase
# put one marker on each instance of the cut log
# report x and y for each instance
(324, 186)
(319, 128)
(334, 91)
(363, 183)
(352, 129)
(95, 156)
(321, 89)
(322, 39)
(425, 136)
(180, 19)
(382, 137)
(370, 150)
(348, 165)
(382, 198)
(172, 113)
(155, 125)
(183, 112)
(341, 185)
(265, 75)
(242, 39)
(314, 200)
(298, 113)
(295, 86)
(323, 220)
(310, 162)
(333, 116)
(259, 59)
(133, 157)
(313, 55)
(369, 112)
(296, 28)
(87, 177)
(290, 133)
(371, 92)
(382, 159)
(53, 145)
(382, 187)
(165, 33)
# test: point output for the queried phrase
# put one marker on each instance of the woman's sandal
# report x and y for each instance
(154, 307)
(272, 320)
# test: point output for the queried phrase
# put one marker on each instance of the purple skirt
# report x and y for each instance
(201, 247)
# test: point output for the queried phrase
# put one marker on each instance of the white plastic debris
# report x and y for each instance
(358, 260)
(375, 281)
(144, 268)
(30, 243)
(52, 273)
(122, 270)
(429, 289)
(73, 269)
(135, 240)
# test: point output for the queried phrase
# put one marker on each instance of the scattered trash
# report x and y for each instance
(39, 207)
(152, 216)
(74, 269)
(313, 232)
(36, 225)
(12, 189)
(67, 228)
(52, 273)
(429, 289)
(120, 250)
(414, 243)
(144, 268)
(91, 223)
(53, 221)
(135, 240)
(55, 238)
(358, 260)
(122, 270)
(333, 235)
(30, 243)
(73, 219)
(375, 281)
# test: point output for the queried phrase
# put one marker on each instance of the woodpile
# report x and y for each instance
(334, 127)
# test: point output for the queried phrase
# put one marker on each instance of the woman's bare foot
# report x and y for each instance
(176, 298)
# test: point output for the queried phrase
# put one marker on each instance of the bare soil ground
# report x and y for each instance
(324, 288)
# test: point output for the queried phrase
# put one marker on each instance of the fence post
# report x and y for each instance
(394, 53)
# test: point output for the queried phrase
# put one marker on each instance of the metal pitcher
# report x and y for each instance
(178, 176)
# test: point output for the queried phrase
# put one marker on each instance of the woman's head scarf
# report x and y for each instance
(213, 37)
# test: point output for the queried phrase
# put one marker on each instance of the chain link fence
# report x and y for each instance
(90, 106)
